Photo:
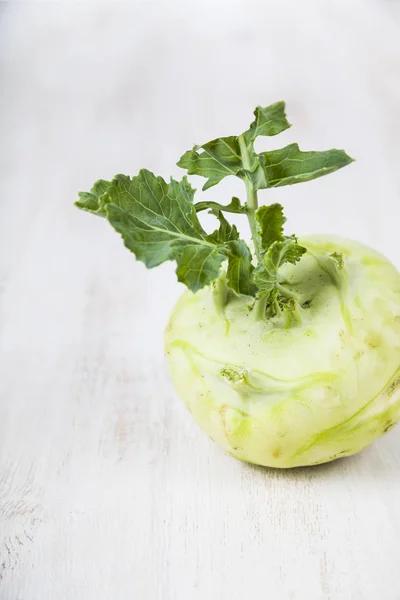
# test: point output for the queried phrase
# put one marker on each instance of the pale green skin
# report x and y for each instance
(286, 394)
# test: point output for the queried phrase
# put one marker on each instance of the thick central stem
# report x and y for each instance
(251, 200)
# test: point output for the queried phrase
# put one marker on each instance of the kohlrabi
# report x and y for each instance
(287, 353)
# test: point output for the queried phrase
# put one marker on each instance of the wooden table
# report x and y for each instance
(108, 490)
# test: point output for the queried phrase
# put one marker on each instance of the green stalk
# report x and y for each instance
(293, 316)
(251, 208)
(288, 293)
(251, 198)
(220, 296)
(260, 307)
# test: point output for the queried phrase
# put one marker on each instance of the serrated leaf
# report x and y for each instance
(225, 233)
(223, 156)
(158, 222)
(279, 253)
(220, 157)
(240, 269)
(95, 200)
(290, 165)
(233, 207)
(199, 265)
(271, 221)
(155, 218)
(269, 120)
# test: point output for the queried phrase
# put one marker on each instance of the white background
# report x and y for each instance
(107, 488)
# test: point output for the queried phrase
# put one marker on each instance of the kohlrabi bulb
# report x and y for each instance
(285, 354)
(305, 386)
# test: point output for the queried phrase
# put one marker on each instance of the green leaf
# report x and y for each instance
(240, 268)
(269, 120)
(290, 165)
(278, 253)
(223, 156)
(233, 207)
(199, 265)
(95, 200)
(154, 218)
(220, 157)
(271, 221)
(225, 233)
(158, 222)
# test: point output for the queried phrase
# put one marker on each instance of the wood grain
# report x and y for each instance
(107, 487)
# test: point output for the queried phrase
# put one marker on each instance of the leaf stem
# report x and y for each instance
(220, 296)
(251, 194)
(260, 306)
(293, 316)
(288, 293)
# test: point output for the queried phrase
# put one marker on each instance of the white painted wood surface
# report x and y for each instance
(107, 488)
